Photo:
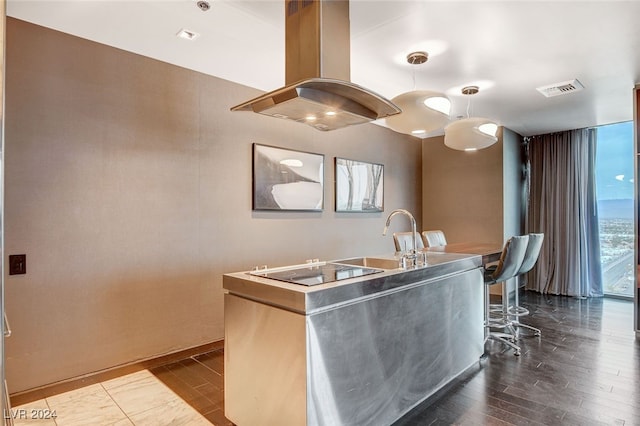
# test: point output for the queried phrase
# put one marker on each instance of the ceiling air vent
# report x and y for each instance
(561, 88)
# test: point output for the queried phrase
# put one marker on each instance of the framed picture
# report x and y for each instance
(359, 186)
(284, 179)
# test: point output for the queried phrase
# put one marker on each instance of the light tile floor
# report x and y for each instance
(135, 399)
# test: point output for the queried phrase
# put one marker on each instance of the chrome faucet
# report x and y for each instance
(410, 257)
(414, 249)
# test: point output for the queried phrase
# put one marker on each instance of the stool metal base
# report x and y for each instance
(498, 338)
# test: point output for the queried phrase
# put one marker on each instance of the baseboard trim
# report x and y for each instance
(30, 395)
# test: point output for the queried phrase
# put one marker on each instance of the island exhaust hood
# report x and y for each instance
(318, 91)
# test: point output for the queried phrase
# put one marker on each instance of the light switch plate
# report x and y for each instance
(17, 264)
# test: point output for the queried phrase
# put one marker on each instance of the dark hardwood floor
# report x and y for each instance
(583, 370)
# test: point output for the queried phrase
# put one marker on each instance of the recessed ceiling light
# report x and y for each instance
(187, 34)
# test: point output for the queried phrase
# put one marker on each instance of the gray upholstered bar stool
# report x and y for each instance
(508, 266)
(530, 258)
(403, 242)
(434, 238)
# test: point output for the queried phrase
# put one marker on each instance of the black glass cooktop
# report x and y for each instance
(319, 274)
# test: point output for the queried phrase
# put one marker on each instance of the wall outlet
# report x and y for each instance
(17, 264)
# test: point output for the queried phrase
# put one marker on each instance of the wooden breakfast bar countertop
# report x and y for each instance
(490, 252)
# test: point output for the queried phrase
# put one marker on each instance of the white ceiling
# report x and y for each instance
(508, 48)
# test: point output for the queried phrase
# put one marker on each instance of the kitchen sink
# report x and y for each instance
(372, 262)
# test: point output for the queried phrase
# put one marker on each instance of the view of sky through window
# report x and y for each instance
(615, 189)
(614, 161)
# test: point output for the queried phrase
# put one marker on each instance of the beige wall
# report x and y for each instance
(128, 186)
(513, 184)
(3, 327)
(462, 192)
(474, 196)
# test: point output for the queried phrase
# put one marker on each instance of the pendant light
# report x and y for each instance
(471, 133)
(423, 111)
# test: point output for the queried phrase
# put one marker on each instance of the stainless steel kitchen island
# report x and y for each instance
(362, 349)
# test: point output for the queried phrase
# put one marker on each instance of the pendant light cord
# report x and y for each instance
(415, 59)
(469, 91)
(413, 75)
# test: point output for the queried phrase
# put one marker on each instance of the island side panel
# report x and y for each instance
(264, 364)
(371, 362)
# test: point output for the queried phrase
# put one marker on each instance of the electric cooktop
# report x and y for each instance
(319, 273)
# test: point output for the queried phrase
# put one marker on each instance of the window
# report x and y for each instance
(615, 194)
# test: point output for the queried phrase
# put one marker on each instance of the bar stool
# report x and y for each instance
(530, 258)
(434, 238)
(403, 241)
(508, 266)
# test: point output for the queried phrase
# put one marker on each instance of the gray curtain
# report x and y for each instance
(562, 205)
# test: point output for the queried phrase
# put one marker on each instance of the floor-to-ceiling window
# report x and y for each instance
(615, 188)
